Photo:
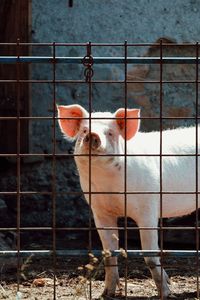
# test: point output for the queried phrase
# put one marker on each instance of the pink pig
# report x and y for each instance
(107, 137)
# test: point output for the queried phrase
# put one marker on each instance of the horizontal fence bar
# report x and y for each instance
(96, 81)
(60, 155)
(98, 60)
(103, 193)
(77, 252)
(51, 44)
(103, 118)
(100, 228)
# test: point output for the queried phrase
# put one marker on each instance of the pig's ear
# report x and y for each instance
(70, 127)
(132, 125)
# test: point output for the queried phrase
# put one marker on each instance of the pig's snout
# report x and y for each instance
(92, 139)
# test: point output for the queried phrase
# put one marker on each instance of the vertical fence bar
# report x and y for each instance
(18, 164)
(161, 179)
(196, 164)
(125, 163)
(89, 80)
(54, 173)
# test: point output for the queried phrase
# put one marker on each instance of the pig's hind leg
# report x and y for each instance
(149, 241)
(109, 239)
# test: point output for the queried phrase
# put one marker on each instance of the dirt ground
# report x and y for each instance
(75, 276)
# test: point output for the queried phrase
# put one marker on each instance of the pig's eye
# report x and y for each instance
(85, 131)
(110, 133)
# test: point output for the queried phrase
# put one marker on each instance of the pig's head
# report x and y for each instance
(104, 134)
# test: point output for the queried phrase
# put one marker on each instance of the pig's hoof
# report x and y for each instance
(107, 297)
(166, 295)
(107, 294)
(171, 296)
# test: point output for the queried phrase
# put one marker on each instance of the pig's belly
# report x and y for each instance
(133, 205)
(182, 186)
(179, 205)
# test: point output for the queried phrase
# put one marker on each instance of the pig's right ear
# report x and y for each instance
(75, 113)
(128, 122)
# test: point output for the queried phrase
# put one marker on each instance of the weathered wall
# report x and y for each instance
(104, 21)
(115, 20)
(97, 21)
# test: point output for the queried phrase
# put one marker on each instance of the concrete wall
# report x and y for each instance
(115, 20)
(103, 21)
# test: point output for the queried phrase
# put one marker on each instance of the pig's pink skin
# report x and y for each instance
(143, 175)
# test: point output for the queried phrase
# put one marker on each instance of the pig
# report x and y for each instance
(106, 137)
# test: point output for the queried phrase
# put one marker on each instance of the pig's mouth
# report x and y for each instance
(99, 154)
(94, 152)
(99, 157)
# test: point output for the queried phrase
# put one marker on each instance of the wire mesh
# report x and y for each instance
(89, 72)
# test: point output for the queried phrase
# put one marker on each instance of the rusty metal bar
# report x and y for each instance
(161, 169)
(88, 62)
(103, 118)
(125, 161)
(18, 167)
(180, 228)
(196, 165)
(94, 81)
(61, 155)
(132, 228)
(53, 185)
(27, 193)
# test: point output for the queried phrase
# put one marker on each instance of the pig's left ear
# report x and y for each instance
(132, 122)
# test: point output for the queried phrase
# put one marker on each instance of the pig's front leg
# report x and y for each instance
(109, 239)
(149, 241)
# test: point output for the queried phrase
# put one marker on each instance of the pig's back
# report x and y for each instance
(179, 159)
(174, 141)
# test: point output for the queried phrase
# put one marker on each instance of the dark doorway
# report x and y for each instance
(14, 95)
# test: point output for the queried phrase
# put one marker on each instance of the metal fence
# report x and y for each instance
(89, 62)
